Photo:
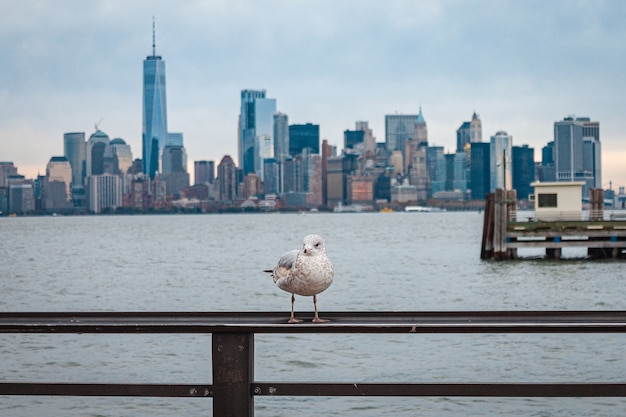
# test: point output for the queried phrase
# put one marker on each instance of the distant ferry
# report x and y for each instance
(422, 209)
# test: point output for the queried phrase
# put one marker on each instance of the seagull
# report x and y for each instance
(306, 272)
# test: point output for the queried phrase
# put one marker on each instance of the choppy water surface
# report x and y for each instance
(417, 261)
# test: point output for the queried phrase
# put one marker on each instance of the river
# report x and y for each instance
(383, 262)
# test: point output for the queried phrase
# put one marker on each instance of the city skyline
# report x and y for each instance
(331, 65)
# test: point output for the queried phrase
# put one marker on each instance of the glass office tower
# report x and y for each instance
(154, 111)
(256, 120)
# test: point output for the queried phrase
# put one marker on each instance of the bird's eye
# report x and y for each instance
(318, 244)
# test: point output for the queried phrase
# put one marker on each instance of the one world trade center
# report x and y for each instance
(154, 111)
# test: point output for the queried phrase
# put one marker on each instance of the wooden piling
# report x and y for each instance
(500, 206)
(486, 249)
(511, 215)
(596, 204)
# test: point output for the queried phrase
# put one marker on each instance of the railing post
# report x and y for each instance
(233, 373)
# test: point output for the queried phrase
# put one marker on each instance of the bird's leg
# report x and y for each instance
(293, 318)
(317, 319)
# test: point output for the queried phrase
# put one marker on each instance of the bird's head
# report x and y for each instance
(313, 245)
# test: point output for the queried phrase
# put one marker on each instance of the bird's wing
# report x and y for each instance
(289, 259)
(285, 264)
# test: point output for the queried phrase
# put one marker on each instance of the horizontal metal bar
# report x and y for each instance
(442, 390)
(340, 322)
(565, 244)
(323, 390)
(106, 390)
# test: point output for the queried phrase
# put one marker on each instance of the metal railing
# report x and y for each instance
(233, 387)
(564, 216)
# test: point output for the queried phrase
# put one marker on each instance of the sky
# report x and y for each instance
(69, 65)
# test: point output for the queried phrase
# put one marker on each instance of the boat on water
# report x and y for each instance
(423, 209)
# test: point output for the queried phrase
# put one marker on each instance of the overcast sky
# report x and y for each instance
(521, 65)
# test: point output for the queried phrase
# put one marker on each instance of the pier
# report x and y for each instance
(504, 233)
(234, 387)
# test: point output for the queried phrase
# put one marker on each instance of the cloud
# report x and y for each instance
(520, 65)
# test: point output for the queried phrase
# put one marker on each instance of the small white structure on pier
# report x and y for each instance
(558, 200)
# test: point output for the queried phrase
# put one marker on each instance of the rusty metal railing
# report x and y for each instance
(233, 387)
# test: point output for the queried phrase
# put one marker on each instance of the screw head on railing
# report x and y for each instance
(257, 390)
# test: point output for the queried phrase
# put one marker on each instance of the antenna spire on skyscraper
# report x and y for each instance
(153, 37)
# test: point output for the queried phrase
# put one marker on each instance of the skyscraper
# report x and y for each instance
(469, 132)
(501, 161)
(399, 128)
(204, 172)
(577, 152)
(281, 136)
(57, 191)
(462, 136)
(154, 130)
(270, 176)
(476, 129)
(353, 138)
(105, 192)
(121, 157)
(256, 120)
(369, 141)
(74, 151)
(227, 179)
(480, 174)
(523, 170)
(95, 153)
(436, 165)
(302, 137)
(174, 169)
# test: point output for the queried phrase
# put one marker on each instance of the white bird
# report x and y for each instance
(306, 272)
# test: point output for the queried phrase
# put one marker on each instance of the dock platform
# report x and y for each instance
(504, 234)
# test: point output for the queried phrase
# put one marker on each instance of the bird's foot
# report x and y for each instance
(318, 320)
(294, 320)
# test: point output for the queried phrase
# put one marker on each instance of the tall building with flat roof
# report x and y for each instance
(577, 152)
(436, 166)
(7, 169)
(270, 176)
(204, 172)
(281, 136)
(399, 128)
(369, 141)
(304, 136)
(523, 170)
(256, 120)
(105, 192)
(74, 151)
(501, 151)
(57, 187)
(154, 136)
(480, 170)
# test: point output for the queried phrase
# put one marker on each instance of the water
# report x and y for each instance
(383, 262)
